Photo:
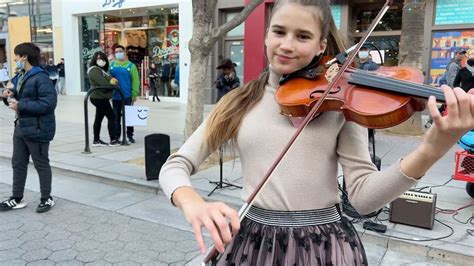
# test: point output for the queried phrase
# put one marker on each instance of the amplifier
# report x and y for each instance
(414, 208)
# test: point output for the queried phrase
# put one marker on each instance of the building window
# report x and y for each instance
(149, 36)
(392, 20)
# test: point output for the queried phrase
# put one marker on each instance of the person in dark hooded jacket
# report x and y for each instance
(33, 98)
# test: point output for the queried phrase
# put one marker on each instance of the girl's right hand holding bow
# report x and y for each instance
(215, 216)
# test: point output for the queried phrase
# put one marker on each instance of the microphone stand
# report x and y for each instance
(221, 184)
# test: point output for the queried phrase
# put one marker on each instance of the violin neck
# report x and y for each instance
(363, 78)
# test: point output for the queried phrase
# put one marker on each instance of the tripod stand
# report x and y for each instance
(221, 184)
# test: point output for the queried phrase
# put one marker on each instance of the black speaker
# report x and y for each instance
(157, 150)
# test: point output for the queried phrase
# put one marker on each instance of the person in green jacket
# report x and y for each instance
(98, 76)
(129, 82)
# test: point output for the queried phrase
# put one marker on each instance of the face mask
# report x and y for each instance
(120, 56)
(470, 62)
(20, 65)
(363, 54)
(101, 63)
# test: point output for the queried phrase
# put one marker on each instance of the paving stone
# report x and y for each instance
(111, 246)
(126, 263)
(10, 234)
(172, 256)
(11, 244)
(14, 262)
(63, 255)
(35, 244)
(69, 263)
(60, 245)
(130, 236)
(117, 256)
(34, 235)
(144, 256)
(90, 256)
(37, 254)
(58, 235)
(106, 236)
(163, 246)
(11, 254)
(31, 226)
(86, 245)
(77, 227)
(11, 224)
(138, 245)
(41, 263)
(99, 263)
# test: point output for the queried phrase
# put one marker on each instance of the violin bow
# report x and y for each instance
(212, 252)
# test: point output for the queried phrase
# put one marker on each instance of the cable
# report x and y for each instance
(430, 187)
(426, 239)
(386, 209)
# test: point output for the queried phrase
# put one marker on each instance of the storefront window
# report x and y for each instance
(150, 35)
(384, 49)
(91, 31)
(163, 48)
(391, 21)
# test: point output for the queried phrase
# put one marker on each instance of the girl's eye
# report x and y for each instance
(279, 32)
(304, 37)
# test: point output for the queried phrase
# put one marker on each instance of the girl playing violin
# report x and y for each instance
(294, 220)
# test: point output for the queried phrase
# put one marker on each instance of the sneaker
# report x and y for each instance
(114, 142)
(131, 139)
(12, 204)
(45, 205)
(99, 142)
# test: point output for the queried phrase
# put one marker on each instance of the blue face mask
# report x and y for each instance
(20, 65)
(120, 56)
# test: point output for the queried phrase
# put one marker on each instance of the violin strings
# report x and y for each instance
(412, 89)
(405, 87)
(385, 83)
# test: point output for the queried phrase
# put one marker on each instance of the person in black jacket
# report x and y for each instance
(465, 76)
(227, 80)
(33, 98)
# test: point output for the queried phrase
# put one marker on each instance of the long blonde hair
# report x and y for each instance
(225, 119)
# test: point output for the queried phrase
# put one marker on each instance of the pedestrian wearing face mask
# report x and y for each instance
(128, 80)
(465, 76)
(99, 76)
(365, 62)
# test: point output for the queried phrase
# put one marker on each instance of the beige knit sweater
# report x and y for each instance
(307, 177)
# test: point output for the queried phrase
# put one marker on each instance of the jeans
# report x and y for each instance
(117, 104)
(103, 108)
(22, 149)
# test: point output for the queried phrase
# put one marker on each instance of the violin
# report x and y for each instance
(375, 99)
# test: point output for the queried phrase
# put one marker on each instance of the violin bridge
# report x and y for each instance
(331, 72)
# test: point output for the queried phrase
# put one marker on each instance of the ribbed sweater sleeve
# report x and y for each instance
(177, 170)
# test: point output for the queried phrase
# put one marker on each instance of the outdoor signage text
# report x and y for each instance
(114, 3)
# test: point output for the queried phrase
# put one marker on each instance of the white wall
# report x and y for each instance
(72, 10)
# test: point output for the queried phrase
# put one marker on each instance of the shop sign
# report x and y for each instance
(114, 3)
(88, 53)
(165, 52)
(454, 12)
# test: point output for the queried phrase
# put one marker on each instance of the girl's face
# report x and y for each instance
(293, 38)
